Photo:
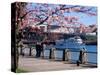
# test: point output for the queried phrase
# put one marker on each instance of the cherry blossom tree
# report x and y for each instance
(48, 13)
(53, 14)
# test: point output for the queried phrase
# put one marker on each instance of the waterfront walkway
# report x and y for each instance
(31, 64)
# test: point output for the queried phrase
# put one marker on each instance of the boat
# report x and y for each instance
(70, 43)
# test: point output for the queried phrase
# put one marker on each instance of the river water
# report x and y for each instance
(91, 48)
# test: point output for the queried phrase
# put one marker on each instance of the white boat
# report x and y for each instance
(73, 43)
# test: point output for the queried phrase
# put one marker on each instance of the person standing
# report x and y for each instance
(38, 49)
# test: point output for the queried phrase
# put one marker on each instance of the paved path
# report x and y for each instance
(38, 64)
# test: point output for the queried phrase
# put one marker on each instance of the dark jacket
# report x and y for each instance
(38, 47)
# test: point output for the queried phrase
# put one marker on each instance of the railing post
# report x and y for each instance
(30, 52)
(78, 62)
(42, 54)
(84, 57)
(67, 55)
(20, 45)
(63, 55)
(21, 50)
(52, 55)
(81, 57)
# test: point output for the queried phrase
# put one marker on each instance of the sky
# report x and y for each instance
(83, 18)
